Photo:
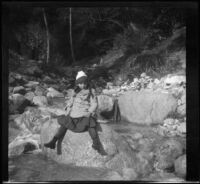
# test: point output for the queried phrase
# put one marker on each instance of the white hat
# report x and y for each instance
(80, 74)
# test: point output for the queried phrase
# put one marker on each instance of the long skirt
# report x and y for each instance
(81, 124)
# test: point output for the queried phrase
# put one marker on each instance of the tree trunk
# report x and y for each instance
(47, 34)
(70, 32)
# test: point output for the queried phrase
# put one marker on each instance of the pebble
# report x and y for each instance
(137, 136)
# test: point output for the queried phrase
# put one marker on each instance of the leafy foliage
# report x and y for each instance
(95, 30)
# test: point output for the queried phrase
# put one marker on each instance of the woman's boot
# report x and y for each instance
(96, 141)
(59, 144)
(61, 132)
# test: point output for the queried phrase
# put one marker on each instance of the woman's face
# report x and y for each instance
(81, 85)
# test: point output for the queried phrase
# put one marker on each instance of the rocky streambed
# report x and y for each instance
(142, 150)
(35, 166)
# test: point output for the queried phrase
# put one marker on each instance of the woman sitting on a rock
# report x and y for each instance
(81, 107)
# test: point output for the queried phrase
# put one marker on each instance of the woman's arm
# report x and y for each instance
(69, 102)
(93, 102)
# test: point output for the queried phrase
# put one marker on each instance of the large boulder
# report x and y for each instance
(32, 84)
(27, 131)
(167, 153)
(29, 96)
(40, 100)
(32, 120)
(172, 81)
(77, 149)
(23, 144)
(19, 89)
(105, 104)
(17, 103)
(16, 79)
(180, 166)
(146, 107)
(52, 93)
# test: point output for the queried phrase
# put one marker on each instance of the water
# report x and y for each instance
(37, 167)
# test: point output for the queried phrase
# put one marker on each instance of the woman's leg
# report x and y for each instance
(96, 141)
(59, 135)
(59, 144)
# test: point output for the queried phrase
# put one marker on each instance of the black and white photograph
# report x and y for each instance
(95, 93)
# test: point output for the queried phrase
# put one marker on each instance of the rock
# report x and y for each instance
(129, 174)
(120, 161)
(109, 85)
(110, 91)
(167, 153)
(16, 79)
(113, 175)
(48, 80)
(13, 133)
(181, 110)
(105, 103)
(40, 91)
(171, 81)
(33, 70)
(54, 93)
(180, 166)
(168, 121)
(94, 65)
(156, 81)
(137, 136)
(143, 75)
(146, 107)
(58, 87)
(29, 96)
(135, 80)
(28, 89)
(32, 84)
(19, 89)
(77, 147)
(150, 85)
(11, 80)
(32, 120)
(143, 166)
(40, 100)
(182, 128)
(183, 99)
(10, 89)
(17, 103)
(21, 145)
(179, 102)
(163, 177)
(145, 144)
